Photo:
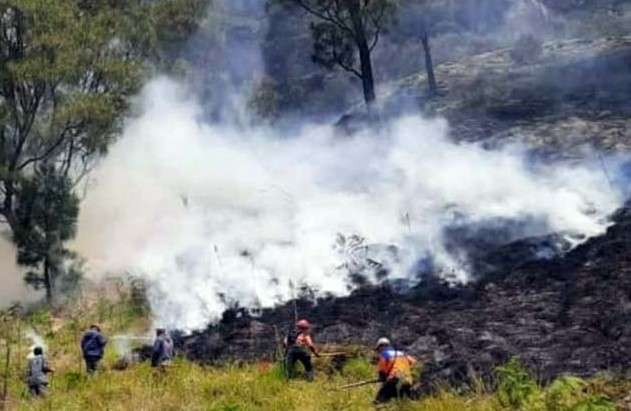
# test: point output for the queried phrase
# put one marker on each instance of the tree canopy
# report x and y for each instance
(68, 69)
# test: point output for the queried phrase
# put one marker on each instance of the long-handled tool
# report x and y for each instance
(358, 384)
(332, 354)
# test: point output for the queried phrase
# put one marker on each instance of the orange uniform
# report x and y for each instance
(395, 364)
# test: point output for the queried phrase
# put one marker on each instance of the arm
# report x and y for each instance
(382, 369)
(46, 368)
(312, 346)
(102, 340)
(156, 354)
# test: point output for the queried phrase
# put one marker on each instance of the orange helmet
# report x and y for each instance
(303, 324)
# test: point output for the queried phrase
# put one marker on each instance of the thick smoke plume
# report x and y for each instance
(214, 215)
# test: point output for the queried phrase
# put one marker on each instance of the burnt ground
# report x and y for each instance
(567, 314)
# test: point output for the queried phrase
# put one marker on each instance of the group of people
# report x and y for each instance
(394, 367)
(93, 345)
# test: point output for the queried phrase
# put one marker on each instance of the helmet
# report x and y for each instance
(383, 341)
(303, 324)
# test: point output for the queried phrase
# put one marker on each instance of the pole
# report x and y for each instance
(358, 384)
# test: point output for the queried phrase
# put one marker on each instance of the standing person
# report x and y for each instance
(162, 352)
(395, 372)
(93, 347)
(37, 373)
(299, 345)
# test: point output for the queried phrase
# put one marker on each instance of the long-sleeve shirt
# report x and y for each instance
(162, 351)
(37, 370)
(395, 364)
(93, 344)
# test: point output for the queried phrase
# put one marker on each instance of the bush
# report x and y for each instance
(516, 387)
(527, 49)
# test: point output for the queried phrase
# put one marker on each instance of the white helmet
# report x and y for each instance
(383, 341)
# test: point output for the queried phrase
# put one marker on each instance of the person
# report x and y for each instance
(395, 372)
(37, 373)
(162, 352)
(299, 345)
(93, 347)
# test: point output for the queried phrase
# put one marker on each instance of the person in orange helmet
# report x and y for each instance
(299, 346)
(395, 372)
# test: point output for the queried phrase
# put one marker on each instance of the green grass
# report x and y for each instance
(189, 386)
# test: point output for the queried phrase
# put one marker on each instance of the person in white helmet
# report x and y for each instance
(395, 372)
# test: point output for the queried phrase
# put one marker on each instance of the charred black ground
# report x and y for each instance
(568, 314)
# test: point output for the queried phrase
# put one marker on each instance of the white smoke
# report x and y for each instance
(36, 341)
(212, 215)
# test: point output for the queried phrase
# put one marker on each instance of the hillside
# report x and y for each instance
(568, 314)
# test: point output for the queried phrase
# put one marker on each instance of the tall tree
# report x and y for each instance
(68, 69)
(346, 32)
(416, 20)
(47, 213)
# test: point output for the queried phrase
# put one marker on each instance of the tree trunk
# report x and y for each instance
(7, 369)
(368, 81)
(429, 65)
(48, 281)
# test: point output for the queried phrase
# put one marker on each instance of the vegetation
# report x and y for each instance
(262, 386)
(68, 70)
(345, 30)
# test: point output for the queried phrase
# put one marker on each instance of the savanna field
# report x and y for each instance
(260, 386)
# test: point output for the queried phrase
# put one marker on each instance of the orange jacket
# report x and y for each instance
(395, 364)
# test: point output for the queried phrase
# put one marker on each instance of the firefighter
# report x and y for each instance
(162, 353)
(93, 347)
(299, 345)
(37, 373)
(395, 372)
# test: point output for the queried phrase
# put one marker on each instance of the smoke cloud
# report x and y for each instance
(212, 215)
(13, 288)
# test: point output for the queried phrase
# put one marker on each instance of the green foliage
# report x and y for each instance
(47, 214)
(359, 369)
(516, 387)
(573, 394)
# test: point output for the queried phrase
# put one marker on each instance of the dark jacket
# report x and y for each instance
(162, 351)
(93, 344)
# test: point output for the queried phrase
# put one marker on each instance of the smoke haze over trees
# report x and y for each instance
(230, 176)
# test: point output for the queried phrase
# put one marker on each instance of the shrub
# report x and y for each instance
(516, 388)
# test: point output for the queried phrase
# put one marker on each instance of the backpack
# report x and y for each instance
(292, 337)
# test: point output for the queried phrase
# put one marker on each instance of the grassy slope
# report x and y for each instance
(189, 386)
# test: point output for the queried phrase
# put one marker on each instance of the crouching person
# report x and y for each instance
(93, 347)
(162, 353)
(395, 372)
(37, 373)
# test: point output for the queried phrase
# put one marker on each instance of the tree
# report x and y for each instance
(68, 69)
(345, 30)
(46, 213)
(416, 21)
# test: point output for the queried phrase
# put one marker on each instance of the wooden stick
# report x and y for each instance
(332, 354)
(358, 384)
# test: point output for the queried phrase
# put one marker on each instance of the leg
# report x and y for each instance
(387, 392)
(290, 362)
(91, 364)
(305, 359)
(405, 391)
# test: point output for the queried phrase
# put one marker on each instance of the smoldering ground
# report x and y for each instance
(213, 215)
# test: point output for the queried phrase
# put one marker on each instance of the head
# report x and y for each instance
(303, 326)
(382, 344)
(160, 332)
(38, 351)
(95, 327)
